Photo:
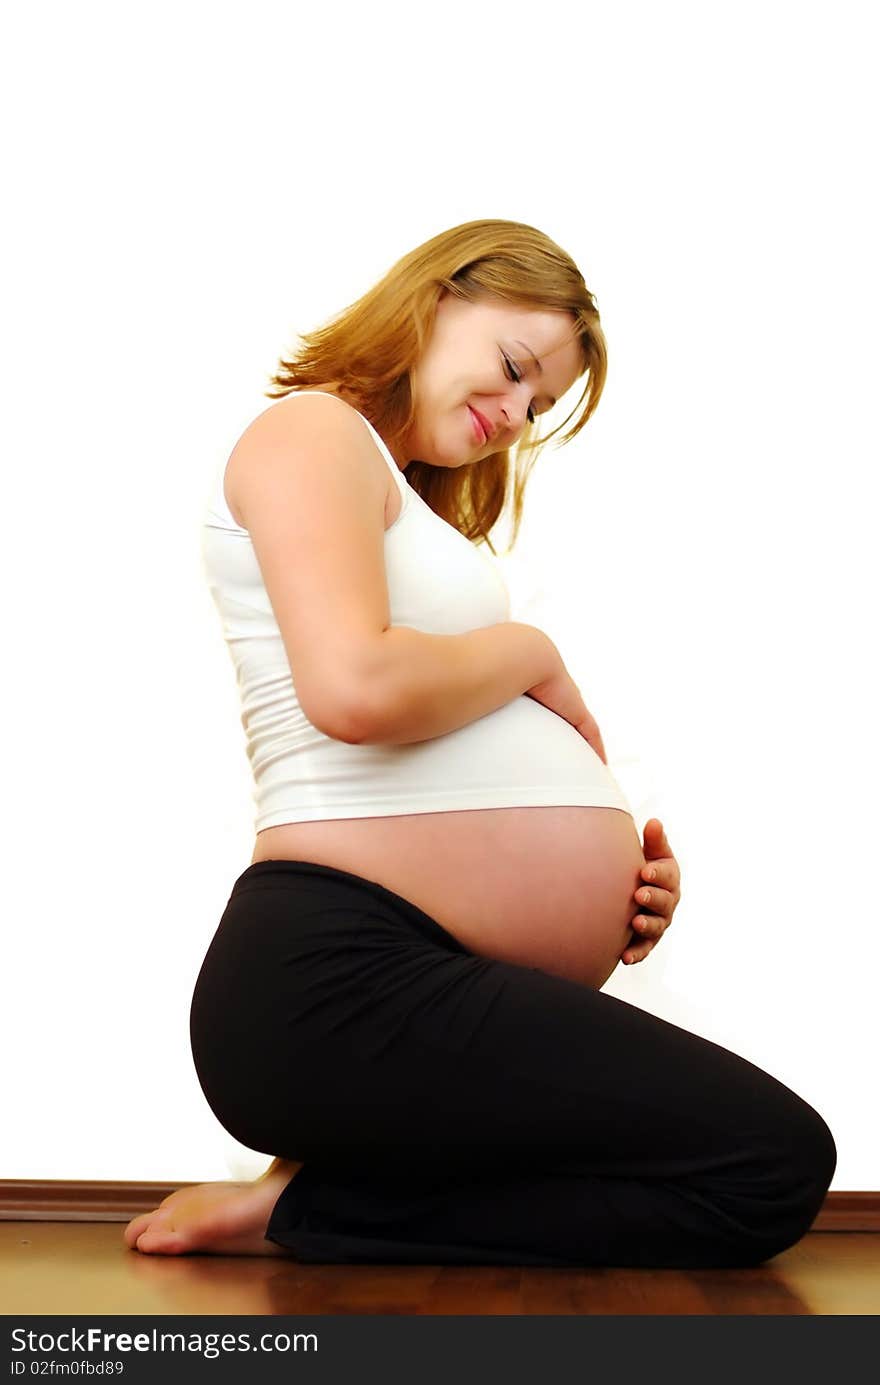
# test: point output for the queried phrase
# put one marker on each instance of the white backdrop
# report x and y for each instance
(195, 183)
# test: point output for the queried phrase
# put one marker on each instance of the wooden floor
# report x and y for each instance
(85, 1267)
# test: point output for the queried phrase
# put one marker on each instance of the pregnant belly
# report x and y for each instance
(547, 887)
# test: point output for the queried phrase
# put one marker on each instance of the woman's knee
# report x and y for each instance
(809, 1147)
(824, 1153)
(814, 1158)
(791, 1181)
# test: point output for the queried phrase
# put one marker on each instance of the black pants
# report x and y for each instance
(452, 1109)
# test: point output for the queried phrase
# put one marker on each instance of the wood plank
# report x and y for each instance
(78, 1268)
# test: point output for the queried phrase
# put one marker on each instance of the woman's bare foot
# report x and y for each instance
(214, 1218)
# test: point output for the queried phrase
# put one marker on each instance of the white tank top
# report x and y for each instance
(438, 581)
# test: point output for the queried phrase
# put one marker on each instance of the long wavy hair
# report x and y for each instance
(368, 351)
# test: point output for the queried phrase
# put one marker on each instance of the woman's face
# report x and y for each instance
(493, 358)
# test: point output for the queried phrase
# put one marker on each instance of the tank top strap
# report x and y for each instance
(395, 469)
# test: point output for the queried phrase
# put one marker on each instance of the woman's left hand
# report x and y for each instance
(661, 879)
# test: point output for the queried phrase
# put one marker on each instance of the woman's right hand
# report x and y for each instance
(561, 695)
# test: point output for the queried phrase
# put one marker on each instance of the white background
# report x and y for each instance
(190, 185)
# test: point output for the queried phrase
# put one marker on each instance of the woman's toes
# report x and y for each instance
(161, 1236)
(136, 1227)
(162, 1241)
(152, 1230)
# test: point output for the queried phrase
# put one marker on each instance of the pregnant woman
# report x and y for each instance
(402, 999)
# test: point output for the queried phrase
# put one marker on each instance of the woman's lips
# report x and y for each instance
(482, 435)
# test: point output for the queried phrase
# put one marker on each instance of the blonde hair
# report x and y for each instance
(369, 349)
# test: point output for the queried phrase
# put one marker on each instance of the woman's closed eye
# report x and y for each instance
(516, 375)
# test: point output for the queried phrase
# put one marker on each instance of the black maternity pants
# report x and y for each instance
(452, 1109)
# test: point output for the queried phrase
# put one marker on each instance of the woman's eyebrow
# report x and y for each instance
(537, 363)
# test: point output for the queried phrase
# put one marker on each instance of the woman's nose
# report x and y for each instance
(516, 406)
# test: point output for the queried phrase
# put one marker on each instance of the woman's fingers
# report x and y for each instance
(660, 902)
(637, 952)
(648, 927)
(664, 873)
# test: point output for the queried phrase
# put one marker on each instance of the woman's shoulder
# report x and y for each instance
(329, 412)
